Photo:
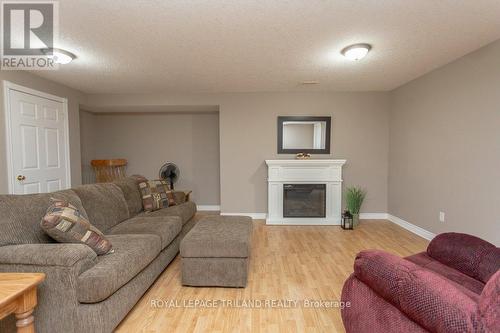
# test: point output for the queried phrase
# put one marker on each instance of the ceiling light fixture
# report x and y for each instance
(356, 51)
(59, 56)
(309, 82)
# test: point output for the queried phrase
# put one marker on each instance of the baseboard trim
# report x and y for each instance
(255, 216)
(263, 216)
(363, 216)
(208, 208)
(399, 221)
(373, 216)
(411, 227)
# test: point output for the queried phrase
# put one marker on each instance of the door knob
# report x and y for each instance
(21, 177)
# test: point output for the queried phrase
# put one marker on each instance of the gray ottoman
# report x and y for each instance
(215, 253)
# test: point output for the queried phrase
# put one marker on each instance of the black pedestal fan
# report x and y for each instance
(169, 171)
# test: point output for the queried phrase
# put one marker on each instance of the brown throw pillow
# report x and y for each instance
(156, 194)
(64, 223)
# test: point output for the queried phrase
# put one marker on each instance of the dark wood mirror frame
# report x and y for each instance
(282, 119)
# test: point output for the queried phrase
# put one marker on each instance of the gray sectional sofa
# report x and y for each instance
(84, 292)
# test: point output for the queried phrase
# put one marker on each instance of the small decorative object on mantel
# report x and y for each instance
(303, 156)
(354, 197)
(347, 221)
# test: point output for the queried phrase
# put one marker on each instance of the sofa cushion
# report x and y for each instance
(472, 287)
(65, 224)
(132, 254)
(20, 216)
(167, 227)
(470, 255)
(185, 211)
(219, 237)
(104, 203)
(156, 194)
(130, 189)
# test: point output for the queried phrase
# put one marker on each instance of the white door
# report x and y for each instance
(38, 143)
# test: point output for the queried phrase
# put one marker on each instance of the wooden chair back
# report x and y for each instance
(109, 170)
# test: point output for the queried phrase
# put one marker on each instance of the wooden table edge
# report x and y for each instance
(37, 279)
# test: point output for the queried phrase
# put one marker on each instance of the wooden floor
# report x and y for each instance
(288, 263)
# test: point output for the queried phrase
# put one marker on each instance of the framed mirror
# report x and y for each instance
(304, 135)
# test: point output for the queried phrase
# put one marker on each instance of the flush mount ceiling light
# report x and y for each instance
(309, 82)
(356, 51)
(59, 56)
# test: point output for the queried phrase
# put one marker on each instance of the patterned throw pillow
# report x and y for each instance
(156, 194)
(64, 223)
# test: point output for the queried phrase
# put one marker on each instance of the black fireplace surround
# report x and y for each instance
(304, 200)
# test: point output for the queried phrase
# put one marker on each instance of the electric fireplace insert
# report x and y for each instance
(304, 200)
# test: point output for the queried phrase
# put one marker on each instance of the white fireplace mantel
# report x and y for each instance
(313, 171)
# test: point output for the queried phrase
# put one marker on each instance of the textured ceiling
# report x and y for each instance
(133, 46)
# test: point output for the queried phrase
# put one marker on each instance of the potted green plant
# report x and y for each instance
(354, 197)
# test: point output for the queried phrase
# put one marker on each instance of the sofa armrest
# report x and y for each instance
(57, 295)
(65, 255)
(468, 254)
(182, 196)
(425, 297)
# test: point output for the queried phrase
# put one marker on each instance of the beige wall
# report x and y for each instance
(445, 147)
(88, 144)
(74, 99)
(249, 134)
(147, 140)
(248, 130)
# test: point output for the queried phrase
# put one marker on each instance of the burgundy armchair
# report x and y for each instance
(452, 287)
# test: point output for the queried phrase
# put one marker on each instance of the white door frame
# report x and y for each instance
(7, 87)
